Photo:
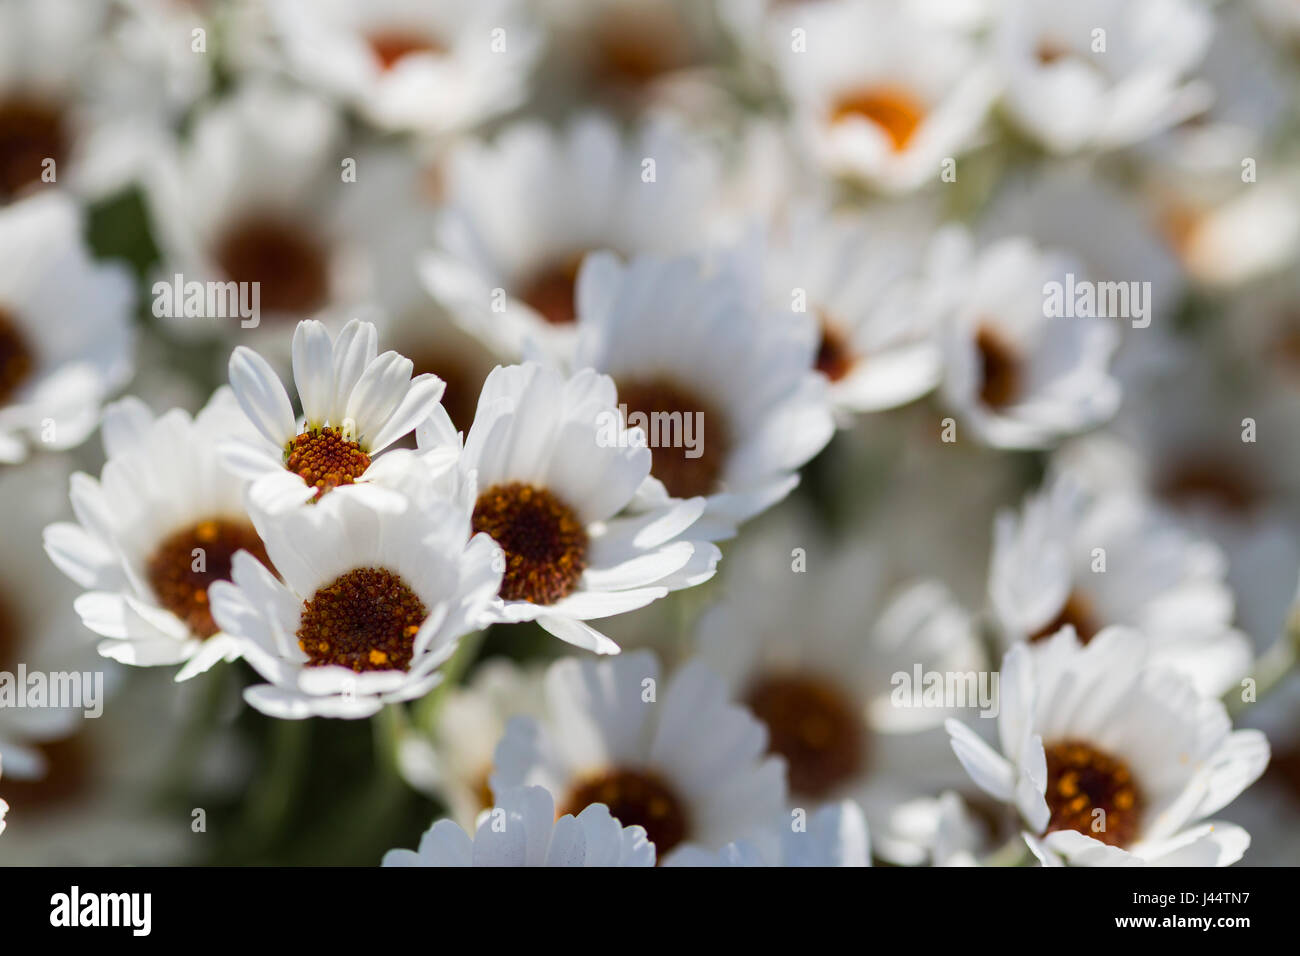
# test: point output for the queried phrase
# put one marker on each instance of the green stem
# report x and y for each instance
(1271, 667)
(1015, 852)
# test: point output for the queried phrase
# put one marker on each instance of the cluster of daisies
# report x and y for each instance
(690, 432)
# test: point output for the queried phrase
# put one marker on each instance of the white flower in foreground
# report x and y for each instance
(522, 830)
(409, 64)
(524, 210)
(1111, 761)
(680, 760)
(556, 473)
(4, 807)
(66, 339)
(1102, 73)
(835, 835)
(161, 523)
(1017, 376)
(370, 602)
(881, 95)
(828, 695)
(450, 757)
(1115, 559)
(727, 397)
(856, 282)
(355, 403)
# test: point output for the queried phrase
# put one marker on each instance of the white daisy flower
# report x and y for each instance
(72, 112)
(556, 473)
(1111, 761)
(872, 311)
(409, 65)
(66, 337)
(633, 55)
(451, 757)
(835, 835)
(524, 210)
(681, 761)
(829, 695)
(265, 193)
(522, 830)
(355, 402)
(1185, 449)
(4, 807)
(369, 604)
(1114, 559)
(161, 523)
(728, 396)
(1103, 73)
(881, 95)
(1018, 376)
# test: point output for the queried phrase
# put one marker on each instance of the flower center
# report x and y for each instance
(1077, 610)
(365, 621)
(16, 358)
(835, 359)
(1091, 792)
(552, 291)
(289, 265)
(544, 542)
(894, 110)
(673, 419)
(389, 46)
(812, 725)
(189, 560)
(999, 368)
(637, 45)
(1193, 482)
(636, 798)
(324, 459)
(69, 771)
(30, 133)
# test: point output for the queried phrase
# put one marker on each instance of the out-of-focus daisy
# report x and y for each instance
(451, 758)
(71, 112)
(827, 694)
(264, 194)
(408, 65)
(632, 54)
(370, 603)
(524, 210)
(1112, 761)
(856, 281)
(880, 95)
(932, 831)
(731, 393)
(522, 830)
(355, 401)
(1116, 560)
(1187, 451)
(556, 469)
(66, 339)
(1100, 74)
(38, 628)
(94, 802)
(834, 835)
(679, 760)
(1226, 232)
(162, 523)
(1017, 376)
